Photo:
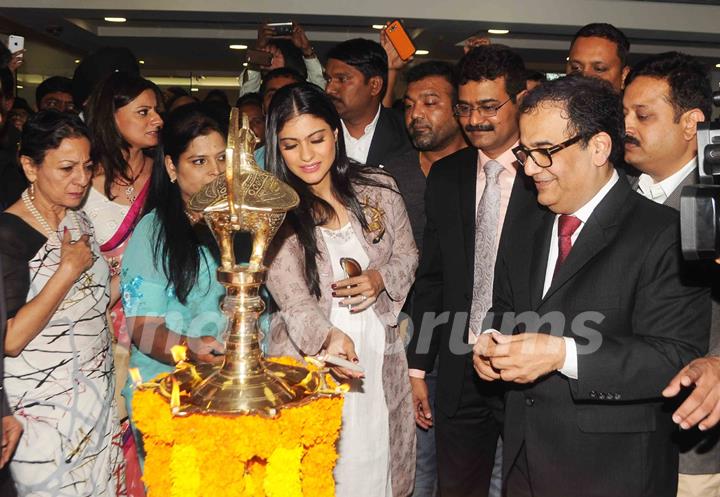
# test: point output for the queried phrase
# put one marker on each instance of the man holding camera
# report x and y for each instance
(666, 96)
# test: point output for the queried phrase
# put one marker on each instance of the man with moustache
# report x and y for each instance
(435, 133)
(357, 78)
(466, 201)
(600, 50)
(665, 98)
(596, 319)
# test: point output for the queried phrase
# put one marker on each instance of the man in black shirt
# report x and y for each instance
(434, 133)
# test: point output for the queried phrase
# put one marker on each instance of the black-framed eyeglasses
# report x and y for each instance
(542, 156)
(485, 110)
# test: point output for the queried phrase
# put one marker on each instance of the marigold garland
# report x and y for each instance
(206, 455)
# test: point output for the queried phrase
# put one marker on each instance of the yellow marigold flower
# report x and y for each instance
(283, 473)
(184, 472)
(206, 455)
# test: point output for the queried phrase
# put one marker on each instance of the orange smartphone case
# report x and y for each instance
(400, 40)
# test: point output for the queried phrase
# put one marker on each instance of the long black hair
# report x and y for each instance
(178, 242)
(108, 145)
(345, 175)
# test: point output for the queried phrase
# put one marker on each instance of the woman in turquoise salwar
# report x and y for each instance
(169, 290)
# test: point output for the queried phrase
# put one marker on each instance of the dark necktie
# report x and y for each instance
(567, 225)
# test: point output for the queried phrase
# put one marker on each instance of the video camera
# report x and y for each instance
(700, 204)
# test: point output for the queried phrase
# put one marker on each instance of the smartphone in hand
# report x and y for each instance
(16, 43)
(281, 28)
(400, 39)
(260, 58)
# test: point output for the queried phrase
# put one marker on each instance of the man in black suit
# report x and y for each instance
(597, 320)
(453, 285)
(357, 78)
(435, 133)
(665, 98)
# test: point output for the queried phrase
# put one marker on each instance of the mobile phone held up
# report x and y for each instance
(281, 28)
(16, 43)
(260, 58)
(400, 39)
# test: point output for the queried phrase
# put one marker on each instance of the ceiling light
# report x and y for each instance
(238, 47)
(567, 58)
(141, 61)
(244, 64)
(378, 26)
(19, 87)
(77, 61)
(717, 65)
(498, 31)
(422, 52)
(194, 89)
(115, 19)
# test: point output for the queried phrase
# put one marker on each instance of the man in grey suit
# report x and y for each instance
(665, 97)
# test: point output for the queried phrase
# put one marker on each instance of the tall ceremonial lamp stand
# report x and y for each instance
(245, 198)
(251, 426)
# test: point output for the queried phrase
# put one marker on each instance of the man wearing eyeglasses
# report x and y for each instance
(55, 93)
(466, 199)
(596, 319)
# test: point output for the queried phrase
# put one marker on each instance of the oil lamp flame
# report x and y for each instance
(175, 397)
(179, 353)
(135, 376)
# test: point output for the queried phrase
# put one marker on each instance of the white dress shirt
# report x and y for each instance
(659, 192)
(570, 367)
(358, 148)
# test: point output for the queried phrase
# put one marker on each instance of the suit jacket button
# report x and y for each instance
(593, 394)
(529, 401)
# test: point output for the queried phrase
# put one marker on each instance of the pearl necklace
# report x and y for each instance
(39, 217)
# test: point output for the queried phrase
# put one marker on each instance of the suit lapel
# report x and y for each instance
(597, 233)
(540, 250)
(674, 199)
(467, 183)
(379, 144)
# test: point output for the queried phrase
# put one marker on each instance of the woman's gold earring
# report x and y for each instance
(32, 191)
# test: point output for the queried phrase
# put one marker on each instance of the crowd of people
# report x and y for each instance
(523, 317)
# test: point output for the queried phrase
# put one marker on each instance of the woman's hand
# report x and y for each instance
(76, 257)
(205, 349)
(361, 291)
(11, 431)
(339, 344)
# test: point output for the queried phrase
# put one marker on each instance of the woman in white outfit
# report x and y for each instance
(346, 210)
(59, 378)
